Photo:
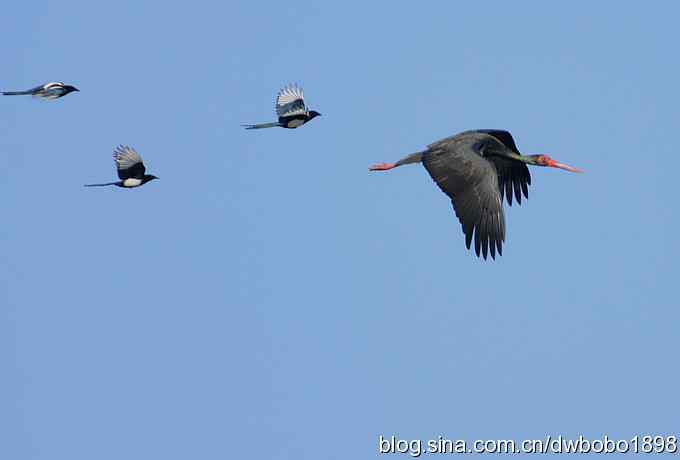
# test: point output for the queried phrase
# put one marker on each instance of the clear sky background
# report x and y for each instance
(268, 297)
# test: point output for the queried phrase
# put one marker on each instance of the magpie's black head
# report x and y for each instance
(70, 89)
(149, 178)
(313, 113)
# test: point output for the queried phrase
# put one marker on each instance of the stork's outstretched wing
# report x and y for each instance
(471, 182)
(512, 175)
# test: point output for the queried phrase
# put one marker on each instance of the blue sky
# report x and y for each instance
(270, 298)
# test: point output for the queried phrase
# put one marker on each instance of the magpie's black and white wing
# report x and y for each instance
(49, 91)
(128, 163)
(53, 85)
(290, 101)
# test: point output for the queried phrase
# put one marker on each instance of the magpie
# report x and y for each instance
(291, 109)
(131, 170)
(48, 91)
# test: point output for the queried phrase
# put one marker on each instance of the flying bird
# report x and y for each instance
(48, 91)
(476, 169)
(131, 170)
(291, 110)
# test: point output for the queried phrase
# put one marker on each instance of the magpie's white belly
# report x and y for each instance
(132, 182)
(295, 123)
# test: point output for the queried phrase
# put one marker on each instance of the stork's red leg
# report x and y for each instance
(382, 167)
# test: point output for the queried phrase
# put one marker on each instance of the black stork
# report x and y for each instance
(476, 169)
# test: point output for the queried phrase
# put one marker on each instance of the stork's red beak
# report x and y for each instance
(554, 164)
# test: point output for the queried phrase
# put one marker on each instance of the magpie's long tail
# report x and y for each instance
(101, 185)
(16, 93)
(263, 125)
